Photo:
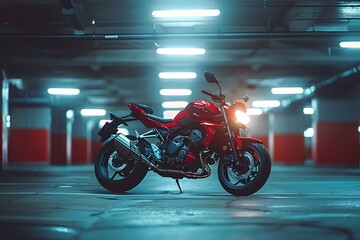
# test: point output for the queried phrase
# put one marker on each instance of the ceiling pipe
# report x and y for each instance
(310, 91)
(230, 35)
(71, 14)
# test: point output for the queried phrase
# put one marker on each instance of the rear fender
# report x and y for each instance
(240, 141)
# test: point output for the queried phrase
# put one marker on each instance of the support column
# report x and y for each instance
(29, 138)
(80, 153)
(95, 141)
(336, 137)
(259, 128)
(4, 106)
(286, 140)
(58, 136)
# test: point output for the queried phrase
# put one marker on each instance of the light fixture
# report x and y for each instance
(309, 133)
(350, 44)
(174, 104)
(287, 90)
(175, 92)
(170, 114)
(63, 91)
(266, 103)
(177, 75)
(308, 110)
(186, 13)
(180, 51)
(70, 114)
(254, 111)
(92, 112)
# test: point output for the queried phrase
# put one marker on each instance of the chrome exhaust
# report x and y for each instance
(127, 148)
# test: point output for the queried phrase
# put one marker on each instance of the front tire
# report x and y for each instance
(116, 173)
(247, 176)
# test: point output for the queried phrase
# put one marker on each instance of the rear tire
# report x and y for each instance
(252, 172)
(116, 173)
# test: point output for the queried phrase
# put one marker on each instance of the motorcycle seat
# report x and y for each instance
(159, 119)
(144, 107)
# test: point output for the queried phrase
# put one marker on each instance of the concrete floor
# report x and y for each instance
(68, 203)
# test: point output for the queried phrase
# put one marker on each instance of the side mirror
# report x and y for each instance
(210, 77)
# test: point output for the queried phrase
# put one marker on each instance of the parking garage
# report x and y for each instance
(66, 65)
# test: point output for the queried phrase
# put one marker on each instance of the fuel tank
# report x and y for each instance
(200, 110)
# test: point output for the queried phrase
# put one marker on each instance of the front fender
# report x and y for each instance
(239, 141)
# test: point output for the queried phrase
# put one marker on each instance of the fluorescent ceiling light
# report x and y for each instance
(170, 114)
(181, 51)
(350, 44)
(178, 75)
(186, 13)
(287, 90)
(308, 110)
(254, 111)
(174, 104)
(175, 92)
(92, 112)
(266, 103)
(309, 132)
(63, 91)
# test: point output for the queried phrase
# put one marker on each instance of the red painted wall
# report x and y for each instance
(289, 148)
(264, 139)
(95, 149)
(336, 144)
(29, 145)
(58, 149)
(79, 151)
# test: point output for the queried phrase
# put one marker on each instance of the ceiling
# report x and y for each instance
(107, 48)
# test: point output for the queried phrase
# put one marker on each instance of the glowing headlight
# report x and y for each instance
(242, 117)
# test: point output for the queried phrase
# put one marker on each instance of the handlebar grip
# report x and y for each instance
(207, 93)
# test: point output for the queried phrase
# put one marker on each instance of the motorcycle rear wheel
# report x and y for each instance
(248, 176)
(116, 173)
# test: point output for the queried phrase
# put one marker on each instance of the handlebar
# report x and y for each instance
(207, 93)
(214, 97)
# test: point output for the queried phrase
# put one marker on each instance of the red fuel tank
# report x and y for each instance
(199, 109)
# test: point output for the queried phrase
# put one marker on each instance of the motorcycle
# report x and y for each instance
(199, 135)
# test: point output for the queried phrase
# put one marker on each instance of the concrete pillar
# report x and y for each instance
(286, 138)
(58, 136)
(4, 106)
(95, 141)
(29, 137)
(336, 137)
(81, 144)
(259, 128)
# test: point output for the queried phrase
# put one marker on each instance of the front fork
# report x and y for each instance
(230, 134)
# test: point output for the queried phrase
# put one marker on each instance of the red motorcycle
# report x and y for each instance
(184, 147)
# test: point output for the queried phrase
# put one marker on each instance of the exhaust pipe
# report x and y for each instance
(127, 148)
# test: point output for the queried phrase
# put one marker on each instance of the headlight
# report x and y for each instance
(242, 117)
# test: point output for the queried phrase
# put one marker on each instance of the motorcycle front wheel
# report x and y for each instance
(249, 174)
(117, 173)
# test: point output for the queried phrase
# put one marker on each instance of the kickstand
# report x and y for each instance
(177, 182)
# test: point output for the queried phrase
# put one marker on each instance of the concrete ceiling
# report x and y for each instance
(108, 48)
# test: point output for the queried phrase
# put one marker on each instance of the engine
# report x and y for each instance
(178, 148)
